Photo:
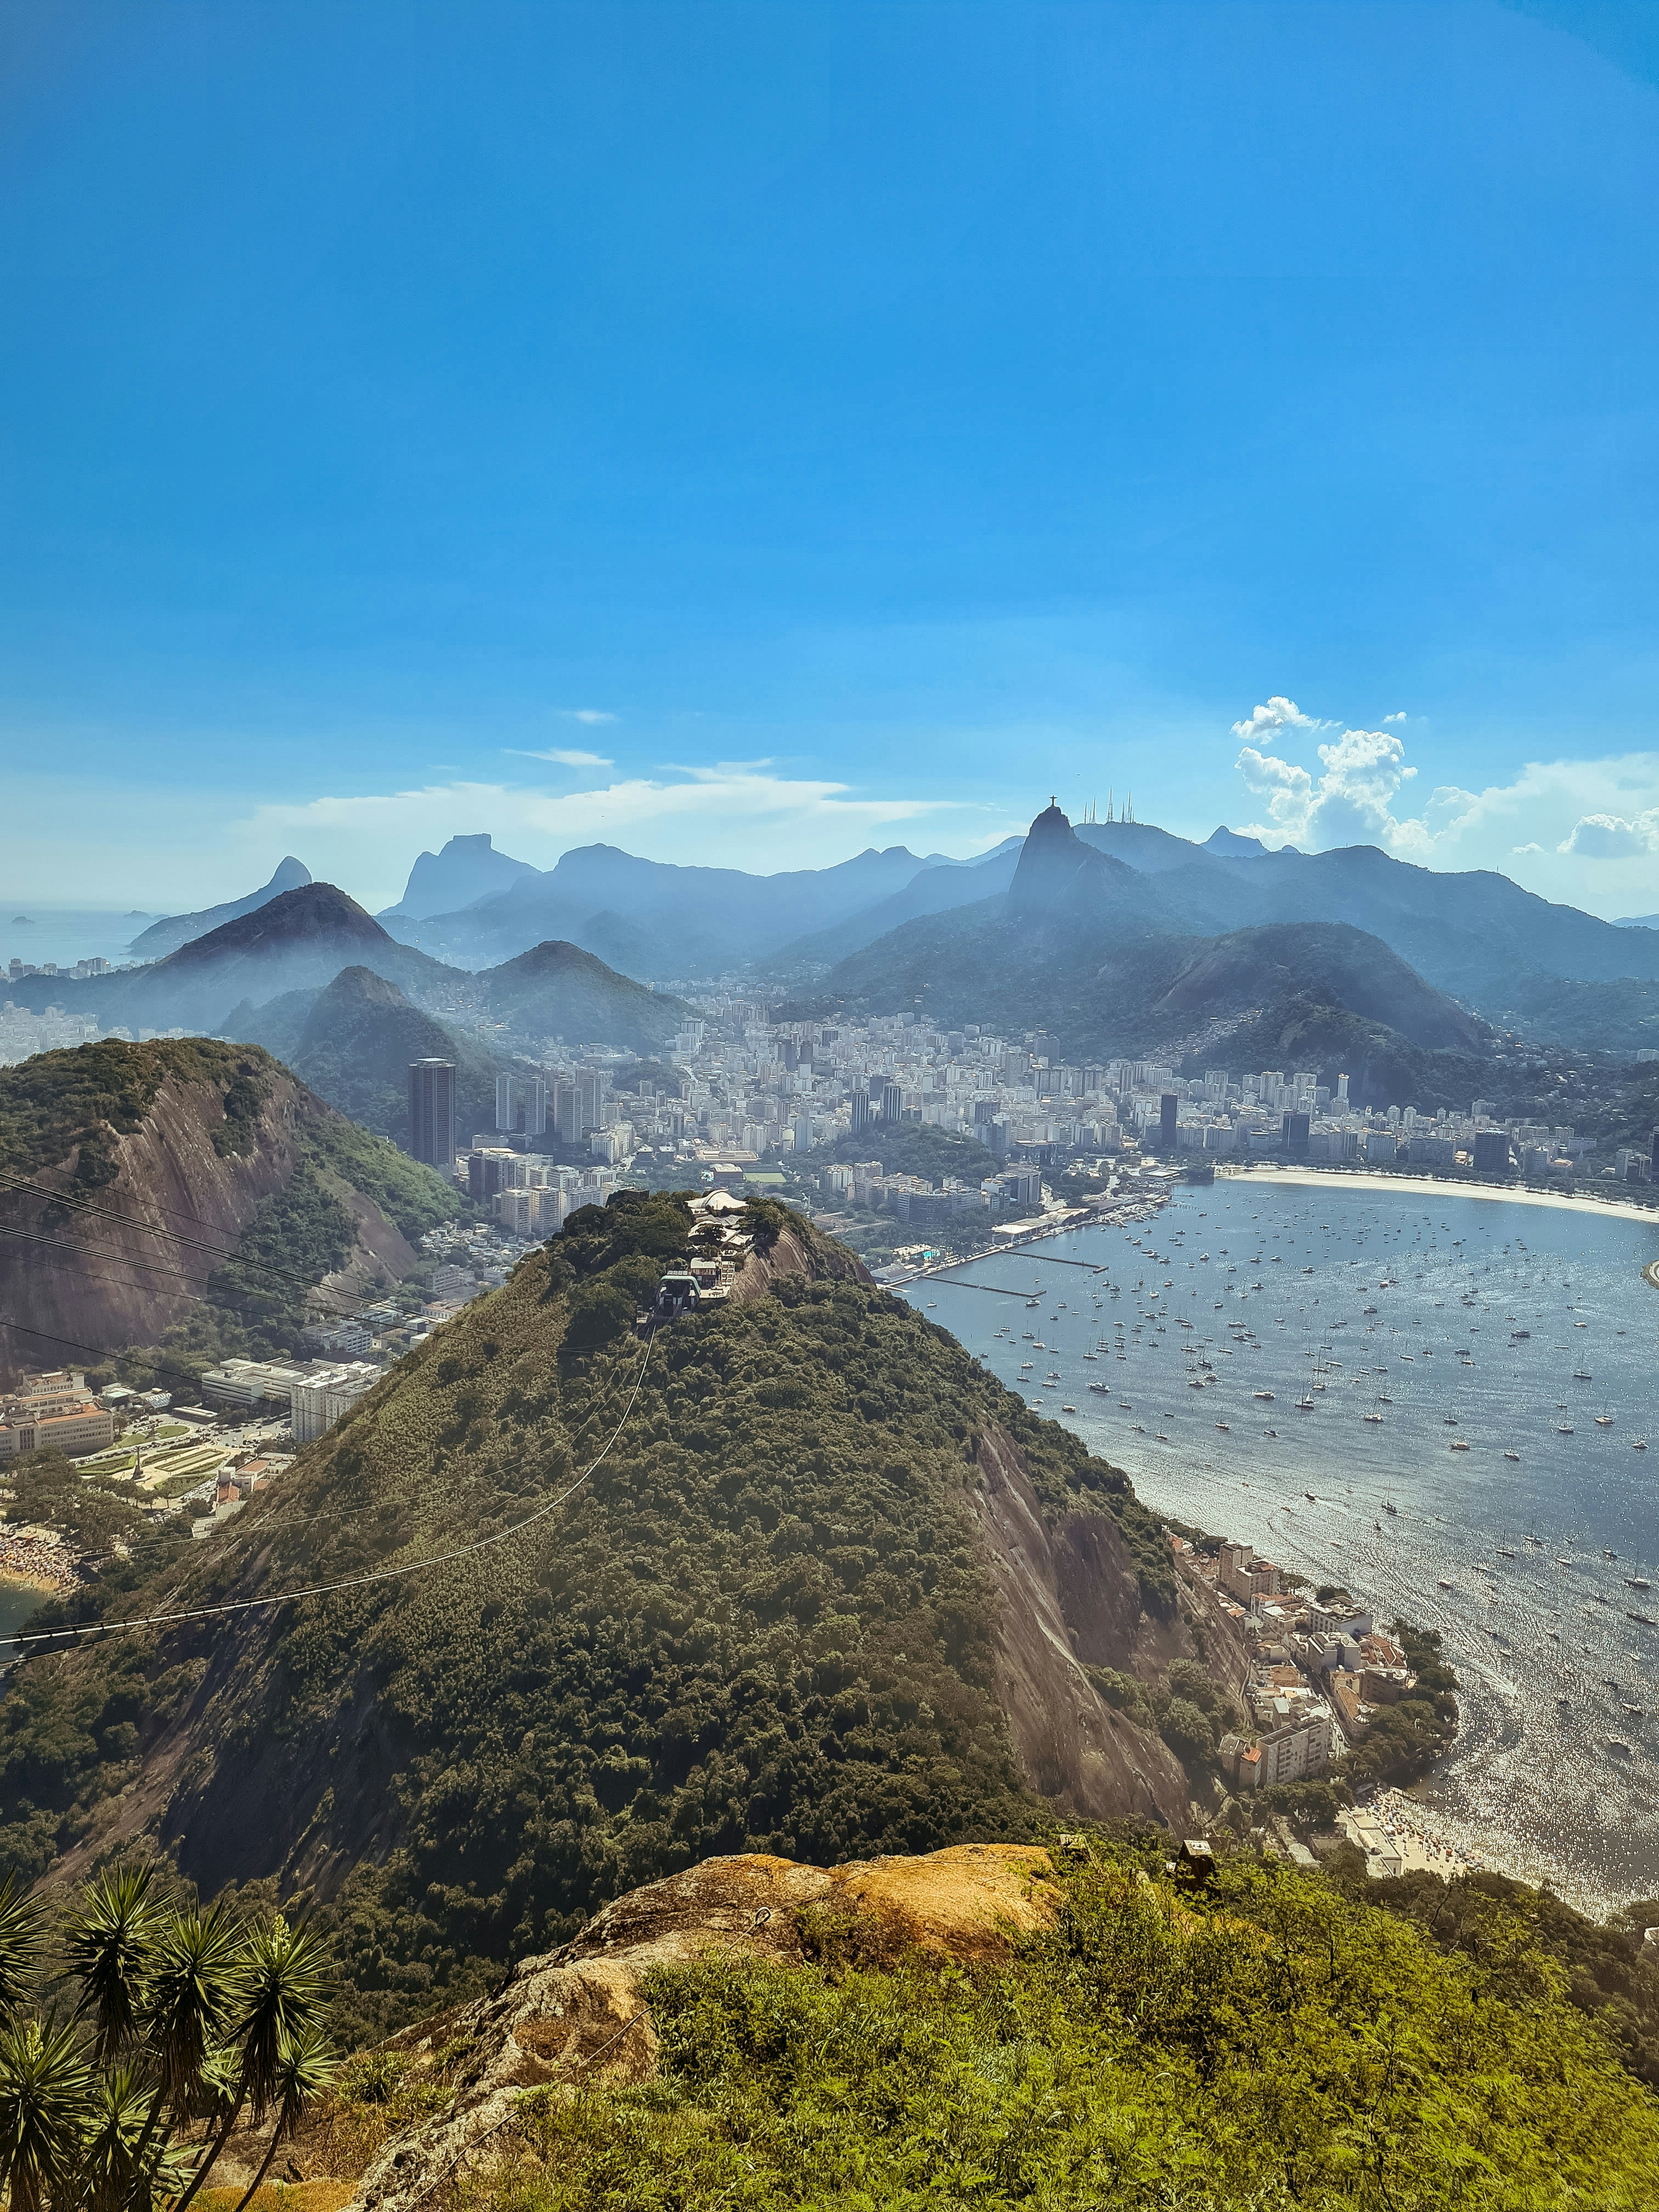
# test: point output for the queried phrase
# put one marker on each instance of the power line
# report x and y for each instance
(102, 1352)
(228, 1256)
(351, 1582)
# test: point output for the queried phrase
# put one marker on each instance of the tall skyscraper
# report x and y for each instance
(1167, 1107)
(892, 1103)
(521, 1105)
(432, 1113)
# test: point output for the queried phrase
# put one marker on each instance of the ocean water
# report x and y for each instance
(1456, 1319)
(17, 1602)
(65, 934)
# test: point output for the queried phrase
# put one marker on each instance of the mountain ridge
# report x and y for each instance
(167, 934)
(193, 1151)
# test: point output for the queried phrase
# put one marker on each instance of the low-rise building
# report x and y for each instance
(55, 1411)
(250, 1383)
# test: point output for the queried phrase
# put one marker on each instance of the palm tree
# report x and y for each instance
(282, 1987)
(305, 2067)
(45, 2087)
(109, 1947)
(20, 1946)
(183, 2017)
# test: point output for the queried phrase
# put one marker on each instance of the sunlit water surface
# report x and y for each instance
(1411, 1307)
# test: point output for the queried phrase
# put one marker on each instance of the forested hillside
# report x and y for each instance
(776, 1617)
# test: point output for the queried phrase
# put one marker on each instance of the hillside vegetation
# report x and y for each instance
(763, 1623)
(1266, 2045)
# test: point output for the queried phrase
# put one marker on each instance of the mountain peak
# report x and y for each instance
(1055, 862)
(310, 914)
(467, 870)
(176, 929)
(1229, 845)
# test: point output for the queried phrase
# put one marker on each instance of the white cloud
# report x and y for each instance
(1265, 723)
(1399, 717)
(733, 814)
(1610, 837)
(1608, 810)
(589, 714)
(1348, 803)
(565, 757)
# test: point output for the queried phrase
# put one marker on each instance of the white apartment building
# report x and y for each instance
(318, 1400)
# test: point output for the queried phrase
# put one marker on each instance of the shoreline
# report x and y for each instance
(1438, 1187)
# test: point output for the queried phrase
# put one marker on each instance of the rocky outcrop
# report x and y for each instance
(798, 1249)
(581, 2012)
(1071, 1600)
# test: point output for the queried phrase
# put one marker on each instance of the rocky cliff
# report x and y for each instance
(130, 1175)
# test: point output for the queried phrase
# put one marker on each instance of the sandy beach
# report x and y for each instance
(1434, 1187)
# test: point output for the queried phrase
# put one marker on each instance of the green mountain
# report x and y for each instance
(1075, 2027)
(258, 976)
(557, 989)
(1095, 966)
(832, 1590)
(352, 1044)
(1471, 933)
(174, 930)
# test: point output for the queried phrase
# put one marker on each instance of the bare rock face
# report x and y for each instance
(792, 1254)
(175, 1206)
(581, 2012)
(1071, 1600)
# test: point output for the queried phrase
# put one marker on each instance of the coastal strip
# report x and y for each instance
(1442, 1186)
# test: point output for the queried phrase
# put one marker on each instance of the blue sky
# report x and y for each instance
(826, 424)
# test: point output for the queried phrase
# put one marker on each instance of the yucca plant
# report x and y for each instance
(186, 2024)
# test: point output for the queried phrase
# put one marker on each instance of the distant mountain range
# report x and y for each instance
(1503, 952)
(1104, 957)
(259, 977)
(656, 919)
(1475, 934)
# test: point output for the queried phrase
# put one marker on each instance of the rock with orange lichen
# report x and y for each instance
(581, 2011)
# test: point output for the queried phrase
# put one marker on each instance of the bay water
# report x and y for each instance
(1292, 1365)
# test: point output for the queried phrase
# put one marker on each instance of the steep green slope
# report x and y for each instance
(556, 989)
(764, 1622)
(223, 1191)
(58, 1101)
(352, 1044)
